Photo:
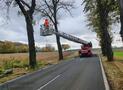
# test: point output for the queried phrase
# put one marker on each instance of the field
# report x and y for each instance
(118, 55)
(114, 70)
(19, 62)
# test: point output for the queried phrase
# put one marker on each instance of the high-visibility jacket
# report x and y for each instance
(46, 23)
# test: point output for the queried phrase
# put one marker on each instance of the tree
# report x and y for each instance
(27, 8)
(48, 48)
(121, 17)
(98, 13)
(65, 46)
(50, 9)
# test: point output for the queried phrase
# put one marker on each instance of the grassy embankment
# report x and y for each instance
(114, 70)
(19, 62)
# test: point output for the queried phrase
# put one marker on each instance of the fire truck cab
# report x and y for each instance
(86, 50)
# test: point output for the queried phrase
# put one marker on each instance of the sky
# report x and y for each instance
(15, 29)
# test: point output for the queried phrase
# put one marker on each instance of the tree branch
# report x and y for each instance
(50, 17)
(33, 6)
(25, 3)
(21, 7)
(48, 7)
(45, 13)
(66, 6)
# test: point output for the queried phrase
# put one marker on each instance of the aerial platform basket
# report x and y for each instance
(46, 31)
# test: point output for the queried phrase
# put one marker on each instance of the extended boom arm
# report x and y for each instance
(50, 31)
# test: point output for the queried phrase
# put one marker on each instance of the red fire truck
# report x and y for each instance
(86, 48)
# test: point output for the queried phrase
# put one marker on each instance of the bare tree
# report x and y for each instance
(27, 8)
(50, 9)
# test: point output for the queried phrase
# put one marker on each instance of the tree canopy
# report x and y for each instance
(101, 15)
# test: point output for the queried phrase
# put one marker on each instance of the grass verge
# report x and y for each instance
(19, 63)
(114, 72)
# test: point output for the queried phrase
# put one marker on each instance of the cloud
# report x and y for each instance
(15, 30)
(74, 25)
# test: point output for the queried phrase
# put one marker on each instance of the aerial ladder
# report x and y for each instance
(85, 48)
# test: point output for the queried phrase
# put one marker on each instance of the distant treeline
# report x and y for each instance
(47, 48)
(12, 47)
(17, 47)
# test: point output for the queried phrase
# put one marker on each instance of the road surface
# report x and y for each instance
(75, 74)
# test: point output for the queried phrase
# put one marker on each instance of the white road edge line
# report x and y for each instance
(104, 76)
(48, 82)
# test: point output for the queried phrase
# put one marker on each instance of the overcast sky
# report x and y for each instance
(15, 29)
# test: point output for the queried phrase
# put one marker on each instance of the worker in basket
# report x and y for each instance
(46, 24)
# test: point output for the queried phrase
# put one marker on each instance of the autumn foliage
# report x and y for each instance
(12, 47)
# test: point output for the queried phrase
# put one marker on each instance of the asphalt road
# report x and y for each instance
(75, 74)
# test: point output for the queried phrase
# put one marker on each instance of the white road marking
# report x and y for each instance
(48, 82)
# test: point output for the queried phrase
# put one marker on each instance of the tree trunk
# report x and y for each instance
(109, 53)
(59, 44)
(107, 38)
(121, 20)
(57, 37)
(103, 49)
(108, 46)
(31, 43)
(59, 48)
(102, 44)
(28, 18)
(104, 24)
(121, 17)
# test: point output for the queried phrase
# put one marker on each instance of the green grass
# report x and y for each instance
(118, 54)
(19, 63)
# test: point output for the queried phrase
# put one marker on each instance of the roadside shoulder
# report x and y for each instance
(104, 75)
